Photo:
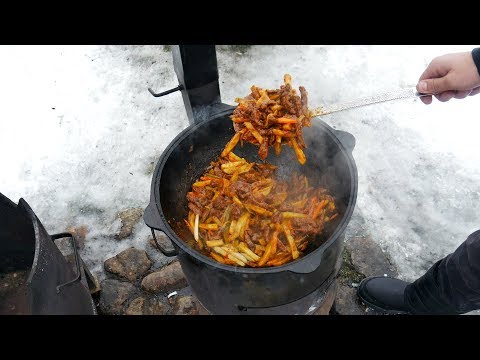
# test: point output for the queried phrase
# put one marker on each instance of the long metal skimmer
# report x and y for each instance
(368, 100)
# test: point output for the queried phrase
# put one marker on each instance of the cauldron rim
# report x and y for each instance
(291, 266)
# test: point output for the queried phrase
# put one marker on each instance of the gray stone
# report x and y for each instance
(114, 296)
(128, 218)
(348, 273)
(173, 295)
(346, 302)
(129, 264)
(185, 305)
(154, 307)
(136, 307)
(167, 278)
(80, 234)
(142, 306)
(162, 239)
(368, 258)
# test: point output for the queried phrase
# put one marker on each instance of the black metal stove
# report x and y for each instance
(299, 287)
(35, 277)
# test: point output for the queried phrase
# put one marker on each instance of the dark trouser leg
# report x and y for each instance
(452, 285)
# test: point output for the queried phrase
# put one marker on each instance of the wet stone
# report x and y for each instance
(185, 305)
(114, 296)
(368, 258)
(129, 264)
(129, 219)
(80, 234)
(346, 302)
(168, 278)
(143, 306)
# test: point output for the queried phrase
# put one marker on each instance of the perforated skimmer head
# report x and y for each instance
(368, 100)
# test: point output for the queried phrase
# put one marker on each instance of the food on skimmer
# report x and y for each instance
(272, 118)
(240, 214)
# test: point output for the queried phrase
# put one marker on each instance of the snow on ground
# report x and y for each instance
(79, 135)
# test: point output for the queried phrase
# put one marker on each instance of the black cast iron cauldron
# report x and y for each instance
(224, 289)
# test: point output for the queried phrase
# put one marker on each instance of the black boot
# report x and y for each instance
(383, 294)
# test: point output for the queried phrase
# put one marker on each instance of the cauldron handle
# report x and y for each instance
(154, 222)
(347, 139)
(165, 252)
(77, 258)
(307, 265)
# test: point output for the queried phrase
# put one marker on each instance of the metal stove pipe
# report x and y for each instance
(197, 73)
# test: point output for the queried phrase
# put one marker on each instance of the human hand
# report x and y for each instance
(450, 76)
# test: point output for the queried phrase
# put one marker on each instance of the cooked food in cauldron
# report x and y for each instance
(272, 118)
(240, 213)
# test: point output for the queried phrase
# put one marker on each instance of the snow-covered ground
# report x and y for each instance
(79, 135)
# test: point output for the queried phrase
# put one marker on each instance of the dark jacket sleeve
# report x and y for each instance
(476, 58)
